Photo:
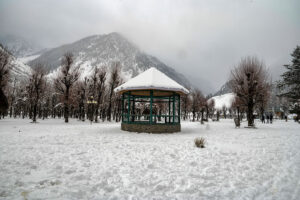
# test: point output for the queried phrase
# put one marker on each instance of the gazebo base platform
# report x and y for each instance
(151, 128)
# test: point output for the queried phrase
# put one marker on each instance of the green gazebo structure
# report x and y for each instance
(151, 103)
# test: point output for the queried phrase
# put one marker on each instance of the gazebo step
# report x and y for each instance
(151, 128)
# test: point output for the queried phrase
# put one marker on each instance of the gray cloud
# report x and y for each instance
(201, 39)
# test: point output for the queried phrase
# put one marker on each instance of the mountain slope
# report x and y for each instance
(103, 50)
(19, 46)
(224, 89)
(19, 70)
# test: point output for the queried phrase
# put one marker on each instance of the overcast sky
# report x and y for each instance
(201, 39)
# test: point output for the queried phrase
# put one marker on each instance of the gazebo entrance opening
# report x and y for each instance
(151, 107)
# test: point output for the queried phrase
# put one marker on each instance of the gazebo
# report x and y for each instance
(151, 103)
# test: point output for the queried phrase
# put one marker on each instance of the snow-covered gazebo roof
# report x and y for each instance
(152, 79)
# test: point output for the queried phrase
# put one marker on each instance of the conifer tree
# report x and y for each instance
(290, 83)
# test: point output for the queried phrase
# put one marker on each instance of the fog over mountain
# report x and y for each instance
(105, 51)
(200, 39)
(18, 46)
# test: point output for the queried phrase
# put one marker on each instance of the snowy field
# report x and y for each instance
(54, 160)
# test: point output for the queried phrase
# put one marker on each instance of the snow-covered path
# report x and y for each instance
(53, 160)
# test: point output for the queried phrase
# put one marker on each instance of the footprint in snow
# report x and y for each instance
(70, 171)
(151, 166)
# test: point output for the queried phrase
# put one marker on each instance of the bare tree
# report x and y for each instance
(114, 81)
(250, 81)
(211, 107)
(184, 105)
(69, 74)
(36, 82)
(101, 74)
(196, 102)
(239, 108)
(224, 110)
(91, 93)
(202, 104)
(81, 97)
(12, 94)
(206, 105)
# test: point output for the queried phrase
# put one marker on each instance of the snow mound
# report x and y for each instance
(223, 100)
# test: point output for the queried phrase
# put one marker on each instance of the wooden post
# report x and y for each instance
(151, 101)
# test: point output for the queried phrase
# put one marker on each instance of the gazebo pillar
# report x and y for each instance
(169, 110)
(133, 109)
(128, 112)
(179, 109)
(151, 102)
(173, 108)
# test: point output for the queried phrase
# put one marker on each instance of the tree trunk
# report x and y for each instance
(109, 105)
(66, 105)
(97, 107)
(238, 112)
(250, 114)
(34, 112)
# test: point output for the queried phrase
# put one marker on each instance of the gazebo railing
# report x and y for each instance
(164, 119)
(130, 116)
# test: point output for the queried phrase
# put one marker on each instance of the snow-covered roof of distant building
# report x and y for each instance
(152, 79)
(224, 100)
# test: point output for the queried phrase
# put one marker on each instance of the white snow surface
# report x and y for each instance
(152, 78)
(224, 100)
(26, 59)
(79, 160)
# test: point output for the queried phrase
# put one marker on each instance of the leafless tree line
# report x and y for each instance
(251, 84)
(67, 96)
(93, 97)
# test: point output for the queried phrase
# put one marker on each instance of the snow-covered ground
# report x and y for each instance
(54, 160)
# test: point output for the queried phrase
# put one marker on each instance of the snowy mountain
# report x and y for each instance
(19, 70)
(19, 46)
(103, 50)
(224, 89)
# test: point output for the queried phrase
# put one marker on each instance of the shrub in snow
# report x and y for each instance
(200, 142)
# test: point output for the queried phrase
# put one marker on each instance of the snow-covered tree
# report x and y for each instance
(290, 83)
(5, 68)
